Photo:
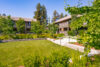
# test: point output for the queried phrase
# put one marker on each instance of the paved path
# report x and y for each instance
(64, 42)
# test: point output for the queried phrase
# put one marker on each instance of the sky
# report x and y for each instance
(26, 8)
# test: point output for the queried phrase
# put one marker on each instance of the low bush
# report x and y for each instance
(2, 65)
(5, 37)
(80, 32)
(26, 36)
(29, 36)
(60, 35)
(71, 33)
(56, 59)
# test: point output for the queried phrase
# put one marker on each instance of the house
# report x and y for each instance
(27, 23)
(64, 24)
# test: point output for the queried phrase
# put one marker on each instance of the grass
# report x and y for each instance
(13, 53)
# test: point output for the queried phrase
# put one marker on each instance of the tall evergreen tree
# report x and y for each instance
(41, 14)
(55, 16)
(38, 12)
(44, 15)
(65, 15)
(61, 15)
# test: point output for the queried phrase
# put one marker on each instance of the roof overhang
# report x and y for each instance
(66, 18)
(25, 19)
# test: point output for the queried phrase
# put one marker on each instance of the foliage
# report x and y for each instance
(38, 12)
(90, 19)
(65, 15)
(28, 36)
(60, 35)
(61, 15)
(41, 52)
(71, 33)
(5, 37)
(56, 59)
(1, 65)
(20, 24)
(55, 16)
(44, 15)
(53, 28)
(6, 25)
(36, 27)
(41, 14)
(13, 54)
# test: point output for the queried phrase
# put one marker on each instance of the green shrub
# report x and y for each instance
(71, 33)
(5, 37)
(79, 40)
(55, 36)
(41, 36)
(29, 36)
(56, 59)
(34, 36)
(2, 65)
(80, 32)
(60, 35)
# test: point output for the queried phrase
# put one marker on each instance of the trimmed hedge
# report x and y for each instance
(29, 36)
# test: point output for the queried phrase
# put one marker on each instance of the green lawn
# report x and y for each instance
(12, 53)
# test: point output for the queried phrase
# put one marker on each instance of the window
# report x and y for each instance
(29, 23)
(65, 29)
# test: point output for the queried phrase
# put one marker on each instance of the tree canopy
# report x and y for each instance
(6, 25)
(61, 15)
(36, 27)
(20, 24)
(90, 20)
(41, 14)
(55, 16)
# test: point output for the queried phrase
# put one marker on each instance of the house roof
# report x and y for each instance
(25, 19)
(65, 18)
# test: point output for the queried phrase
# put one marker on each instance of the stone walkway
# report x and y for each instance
(64, 42)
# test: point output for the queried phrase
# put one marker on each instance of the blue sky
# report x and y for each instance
(26, 8)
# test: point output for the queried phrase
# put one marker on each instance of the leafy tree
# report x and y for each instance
(20, 24)
(52, 28)
(36, 27)
(90, 20)
(6, 25)
(55, 16)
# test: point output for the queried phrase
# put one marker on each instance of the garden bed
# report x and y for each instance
(2, 41)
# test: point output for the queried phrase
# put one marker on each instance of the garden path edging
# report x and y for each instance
(73, 46)
(2, 41)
